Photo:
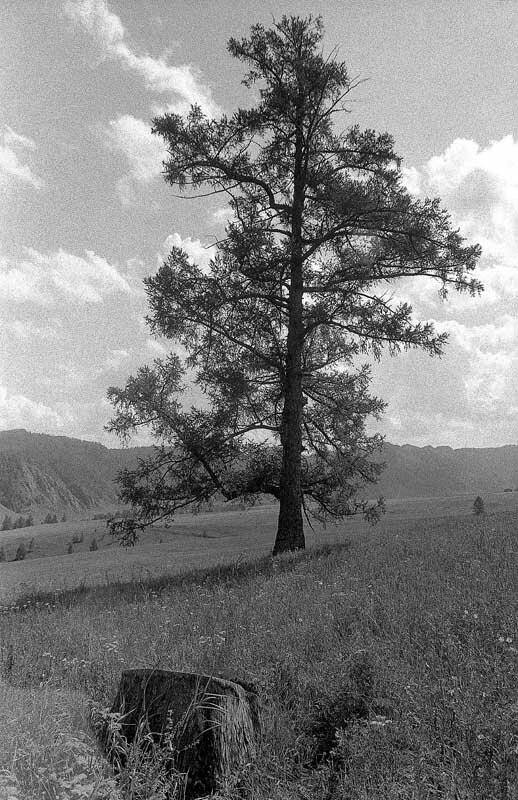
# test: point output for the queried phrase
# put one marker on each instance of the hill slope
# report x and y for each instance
(56, 473)
(441, 471)
(41, 473)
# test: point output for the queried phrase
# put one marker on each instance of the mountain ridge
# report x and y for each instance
(40, 472)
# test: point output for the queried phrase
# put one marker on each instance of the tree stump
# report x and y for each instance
(204, 727)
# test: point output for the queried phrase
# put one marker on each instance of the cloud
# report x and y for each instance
(158, 349)
(28, 329)
(19, 411)
(490, 367)
(469, 397)
(182, 83)
(143, 151)
(45, 278)
(116, 358)
(479, 187)
(12, 169)
(222, 215)
(197, 252)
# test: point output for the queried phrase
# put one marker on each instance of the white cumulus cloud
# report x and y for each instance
(182, 83)
(479, 187)
(12, 168)
(197, 252)
(19, 411)
(143, 151)
(43, 278)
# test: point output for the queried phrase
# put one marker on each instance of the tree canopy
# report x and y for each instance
(297, 295)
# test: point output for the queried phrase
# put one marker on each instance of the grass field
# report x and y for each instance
(193, 540)
(387, 664)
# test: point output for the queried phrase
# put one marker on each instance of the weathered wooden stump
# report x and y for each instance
(205, 727)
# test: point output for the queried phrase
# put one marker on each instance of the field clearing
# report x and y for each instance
(192, 541)
(387, 666)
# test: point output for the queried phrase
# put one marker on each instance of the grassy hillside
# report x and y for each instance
(191, 540)
(387, 665)
(45, 473)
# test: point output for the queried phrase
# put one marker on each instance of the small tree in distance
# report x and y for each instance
(478, 506)
(21, 552)
(297, 293)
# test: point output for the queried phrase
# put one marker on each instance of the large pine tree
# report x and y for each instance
(296, 294)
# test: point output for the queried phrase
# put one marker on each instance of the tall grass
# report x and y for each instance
(387, 668)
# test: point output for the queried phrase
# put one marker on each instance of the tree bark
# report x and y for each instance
(290, 528)
(202, 729)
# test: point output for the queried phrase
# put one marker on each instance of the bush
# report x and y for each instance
(3, 557)
(478, 506)
(70, 548)
(7, 523)
(21, 552)
(93, 545)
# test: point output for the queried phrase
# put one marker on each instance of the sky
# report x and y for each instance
(85, 213)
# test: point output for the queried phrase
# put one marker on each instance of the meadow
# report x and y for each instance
(386, 658)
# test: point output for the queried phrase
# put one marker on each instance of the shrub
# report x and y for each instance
(21, 552)
(93, 545)
(478, 506)
(2, 554)
(7, 523)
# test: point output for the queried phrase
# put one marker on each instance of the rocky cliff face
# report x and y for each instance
(40, 473)
(25, 487)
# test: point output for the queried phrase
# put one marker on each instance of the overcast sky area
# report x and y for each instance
(85, 213)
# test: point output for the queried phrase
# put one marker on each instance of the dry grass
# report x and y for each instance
(388, 668)
(192, 541)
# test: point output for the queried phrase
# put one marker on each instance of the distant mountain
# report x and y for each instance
(41, 473)
(441, 471)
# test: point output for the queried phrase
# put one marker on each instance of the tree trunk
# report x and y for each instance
(201, 731)
(290, 528)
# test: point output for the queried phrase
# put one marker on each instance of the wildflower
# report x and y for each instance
(379, 721)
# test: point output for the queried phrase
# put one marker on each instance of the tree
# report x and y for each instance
(295, 296)
(7, 524)
(21, 552)
(478, 506)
